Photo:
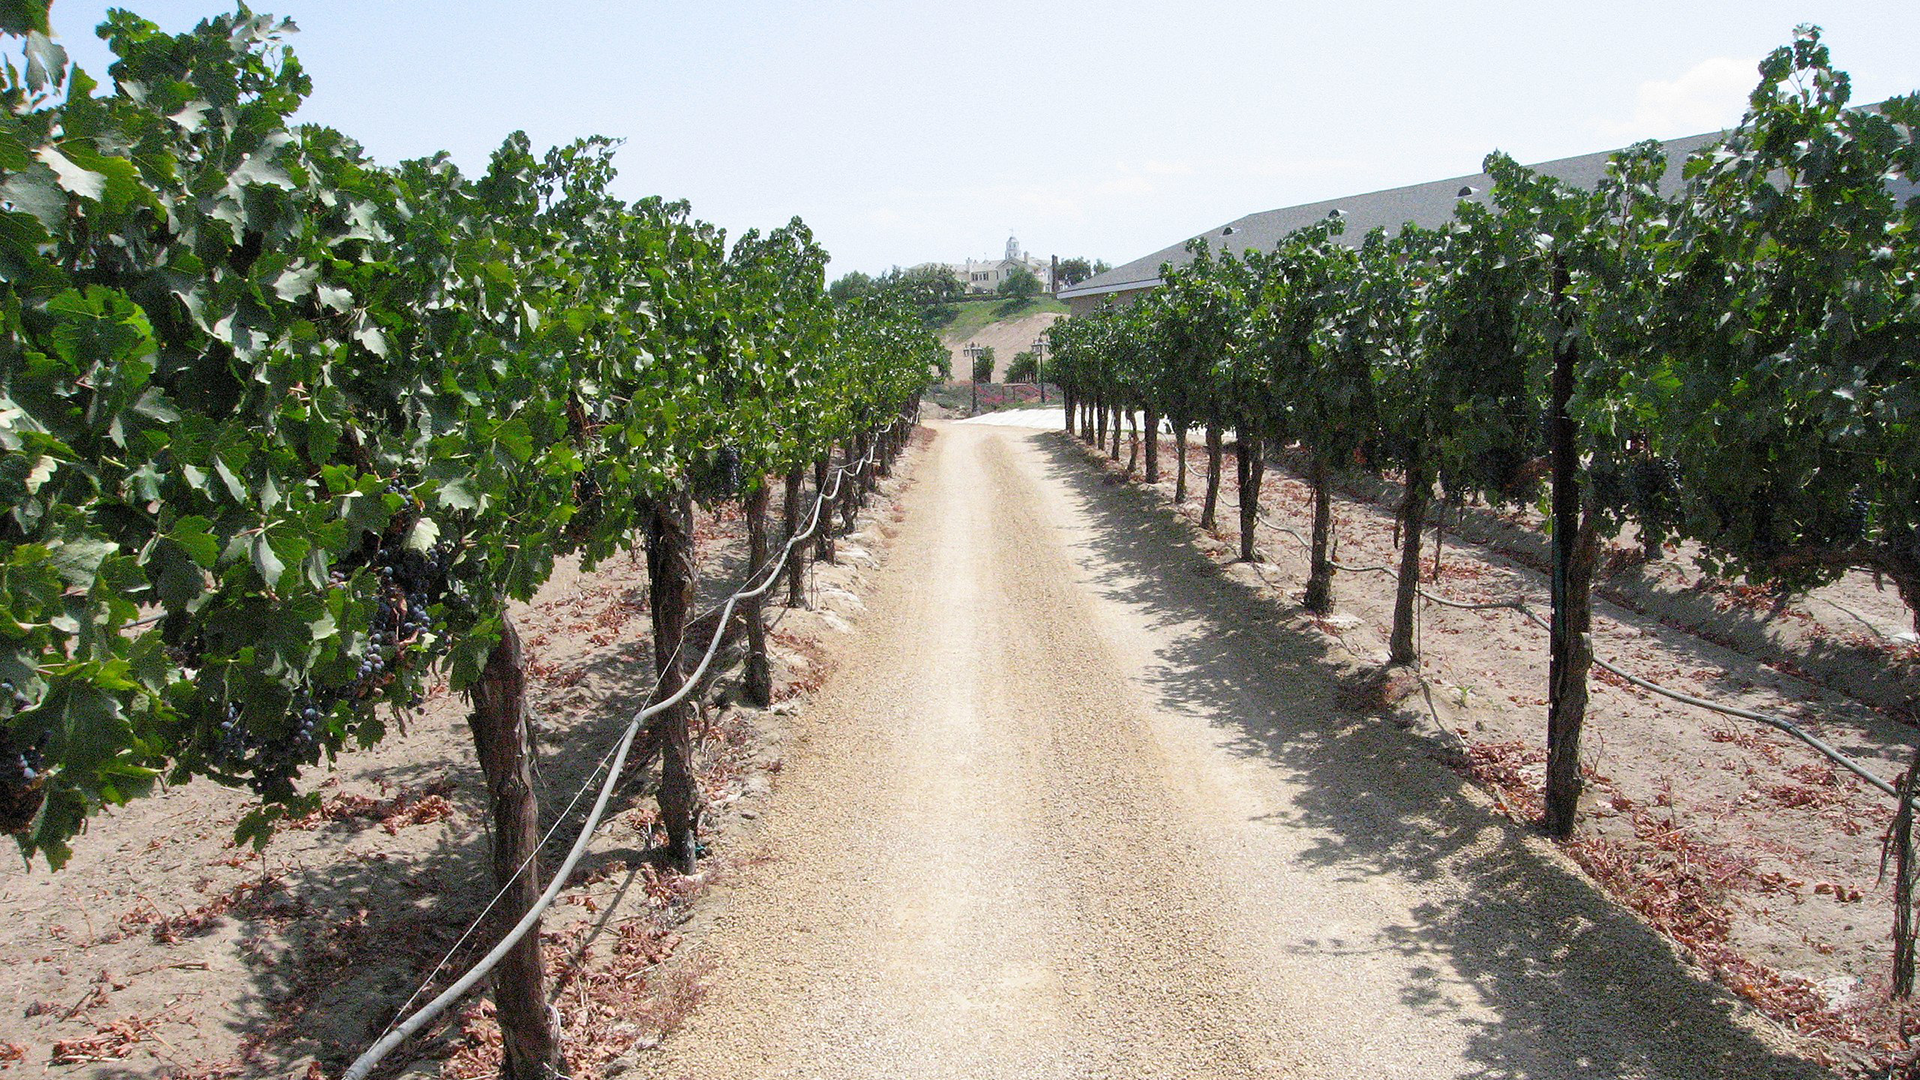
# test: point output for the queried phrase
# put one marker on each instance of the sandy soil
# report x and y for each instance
(1006, 337)
(1077, 804)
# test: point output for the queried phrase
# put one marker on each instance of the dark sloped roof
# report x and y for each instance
(1429, 205)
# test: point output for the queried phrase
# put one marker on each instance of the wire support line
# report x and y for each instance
(400, 1032)
(672, 658)
(585, 784)
(558, 820)
(1780, 724)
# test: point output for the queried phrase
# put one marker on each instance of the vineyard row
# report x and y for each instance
(284, 430)
(1730, 356)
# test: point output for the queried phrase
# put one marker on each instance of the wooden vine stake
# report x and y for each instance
(796, 560)
(1899, 846)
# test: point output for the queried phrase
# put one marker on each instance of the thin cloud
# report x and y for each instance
(1707, 96)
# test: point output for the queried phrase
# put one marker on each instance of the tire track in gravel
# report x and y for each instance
(1071, 807)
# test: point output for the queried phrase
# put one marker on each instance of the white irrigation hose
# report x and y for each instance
(365, 1063)
(1778, 723)
(502, 891)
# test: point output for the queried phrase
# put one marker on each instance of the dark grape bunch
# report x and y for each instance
(719, 477)
(589, 509)
(410, 582)
(271, 751)
(22, 767)
(1652, 484)
(1610, 488)
(1850, 527)
(269, 745)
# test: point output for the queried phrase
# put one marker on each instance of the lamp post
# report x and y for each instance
(973, 375)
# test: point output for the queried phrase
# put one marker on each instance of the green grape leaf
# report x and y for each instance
(78, 561)
(423, 535)
(38, 192)
(71, 176)
(266, 561)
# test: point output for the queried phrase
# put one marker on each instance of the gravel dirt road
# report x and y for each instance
(1075, 805)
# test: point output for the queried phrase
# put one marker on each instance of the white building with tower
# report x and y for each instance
(986, 275)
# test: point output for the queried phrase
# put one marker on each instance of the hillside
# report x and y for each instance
(979, 323)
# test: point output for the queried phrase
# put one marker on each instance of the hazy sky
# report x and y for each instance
(906, 131)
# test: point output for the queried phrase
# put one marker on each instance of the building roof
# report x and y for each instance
(1429, 205)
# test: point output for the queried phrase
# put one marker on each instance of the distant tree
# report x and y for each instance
(1020, 285)
(850, 287)
(983, 365)
(924, 285)
(1078, 269)
(937, 316)
(931, 288)
(1024, 367)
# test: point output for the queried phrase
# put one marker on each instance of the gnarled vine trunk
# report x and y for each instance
(1207, 518)
(1252, 469)
(1905, 573)
(670, 581)
(1180, 462)
(1410, 520)
(530, 1046)
(1569, 665)
(823, 530)
(794, 514)
(1153, 446)
(1319, 595)
(849, 489)
(759, 675)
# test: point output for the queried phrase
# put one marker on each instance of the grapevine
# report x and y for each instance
(279, 455)
(1721, 350)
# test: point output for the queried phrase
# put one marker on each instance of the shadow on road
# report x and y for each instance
(1579, 987)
